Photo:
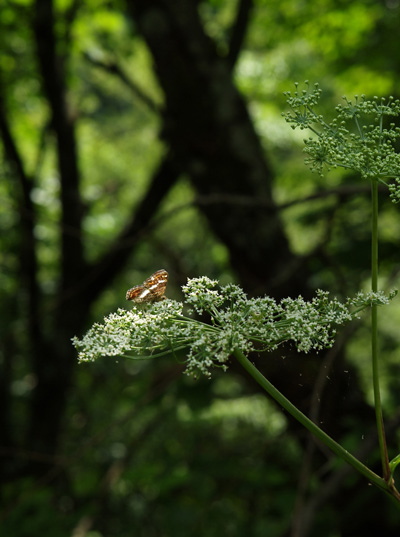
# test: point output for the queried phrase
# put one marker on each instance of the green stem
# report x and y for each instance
(374, 334)
(308, 424)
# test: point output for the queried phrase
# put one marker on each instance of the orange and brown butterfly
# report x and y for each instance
(151, 290)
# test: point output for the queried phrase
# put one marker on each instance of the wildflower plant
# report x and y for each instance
(237, 323)
(215, 324)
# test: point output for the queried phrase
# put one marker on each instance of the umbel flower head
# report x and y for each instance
(360, 138)
(237, 322)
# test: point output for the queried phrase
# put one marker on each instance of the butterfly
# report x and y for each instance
(151, 290)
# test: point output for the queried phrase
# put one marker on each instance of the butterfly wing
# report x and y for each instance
(152, 289)
(137, 294)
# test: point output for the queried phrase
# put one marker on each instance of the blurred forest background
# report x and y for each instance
(148, 134)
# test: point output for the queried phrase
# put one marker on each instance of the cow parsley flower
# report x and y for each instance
(360, 138)
(234, 321)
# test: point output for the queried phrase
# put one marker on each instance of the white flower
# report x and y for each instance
(237, 322)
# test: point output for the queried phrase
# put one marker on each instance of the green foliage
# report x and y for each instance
(36, 515)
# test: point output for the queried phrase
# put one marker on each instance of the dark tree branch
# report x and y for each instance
(52, 71)
(12, 154)
(100, 274)
(267, 204)
(41, 149)
(239, 30)
(115, 69)
(28, 267)
(27, 213)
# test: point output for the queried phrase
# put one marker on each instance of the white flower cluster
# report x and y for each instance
(360, 138)
(137, 331)
(377, 298)
(237, 322)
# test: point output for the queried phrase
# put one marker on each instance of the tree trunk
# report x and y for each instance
(208, 128)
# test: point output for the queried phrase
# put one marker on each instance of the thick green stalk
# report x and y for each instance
(374, 334)
(308, 424)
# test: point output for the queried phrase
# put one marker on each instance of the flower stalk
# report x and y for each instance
(374, 335)
(305, 421)
(334, 446)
